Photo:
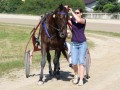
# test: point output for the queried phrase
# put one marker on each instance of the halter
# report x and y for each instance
(63, 13)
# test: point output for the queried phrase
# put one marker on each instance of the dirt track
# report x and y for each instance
(104, 73)
(92, 24)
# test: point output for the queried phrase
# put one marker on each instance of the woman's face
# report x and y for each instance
(77, 12)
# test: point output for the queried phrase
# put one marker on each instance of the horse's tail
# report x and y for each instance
(65, 54)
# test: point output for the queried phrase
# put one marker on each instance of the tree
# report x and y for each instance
(13, 5)
(2, 6)
(10, 6)
(107, 6)
(44, 6)
(36, 6)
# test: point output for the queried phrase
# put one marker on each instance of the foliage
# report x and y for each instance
(10, 6)
(2, 5)
(109, 6)
(36, 6)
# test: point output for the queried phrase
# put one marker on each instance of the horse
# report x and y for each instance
(53, 36)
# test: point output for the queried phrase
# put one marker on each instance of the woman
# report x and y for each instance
(78, 44)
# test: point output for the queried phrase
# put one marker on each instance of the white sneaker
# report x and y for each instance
(80, 83)
(75, 80)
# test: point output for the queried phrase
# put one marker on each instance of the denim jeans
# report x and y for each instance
(78, 52)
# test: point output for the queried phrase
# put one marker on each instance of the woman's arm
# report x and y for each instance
(69, 22)
(78, 19)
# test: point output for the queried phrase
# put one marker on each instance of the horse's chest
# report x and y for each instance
(56, 43)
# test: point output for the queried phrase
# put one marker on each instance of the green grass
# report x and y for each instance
(104, 33)
(13, 39)
(6, 66)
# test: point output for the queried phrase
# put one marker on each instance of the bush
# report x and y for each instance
(10, 6)
(2, 6)
(109, 8)
(38, 7)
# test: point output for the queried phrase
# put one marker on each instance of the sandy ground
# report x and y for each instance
(104, 72)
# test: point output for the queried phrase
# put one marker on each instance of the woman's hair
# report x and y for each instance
(81, 10)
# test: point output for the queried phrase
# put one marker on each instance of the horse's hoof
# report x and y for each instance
(50, 73)
(58, 73)
(54, 79)
(58, 77)
(40, 82)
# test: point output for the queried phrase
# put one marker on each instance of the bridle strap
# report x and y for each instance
(55, 28)
(61, 13)
(46, 30)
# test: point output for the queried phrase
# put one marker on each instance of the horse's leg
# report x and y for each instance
(42, 65)
(56, 62)
(58, 65)
(49, 62)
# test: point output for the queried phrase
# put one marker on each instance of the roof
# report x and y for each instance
(89, 1)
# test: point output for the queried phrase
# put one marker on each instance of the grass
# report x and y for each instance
(13, 39)
(112, 34)
(6, 66)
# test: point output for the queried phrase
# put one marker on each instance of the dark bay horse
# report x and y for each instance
(53, 36)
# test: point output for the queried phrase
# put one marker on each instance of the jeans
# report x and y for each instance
(78, 52)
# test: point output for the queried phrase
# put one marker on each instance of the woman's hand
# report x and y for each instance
(70, 10)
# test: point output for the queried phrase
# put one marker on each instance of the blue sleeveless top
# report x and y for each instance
(78, 29)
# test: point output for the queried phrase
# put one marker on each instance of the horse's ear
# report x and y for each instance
(61, 5)
(53, 15)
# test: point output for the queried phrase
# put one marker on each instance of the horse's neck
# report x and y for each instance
(51, 22)
(51, 25)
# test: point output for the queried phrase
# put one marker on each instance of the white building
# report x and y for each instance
(90, 4)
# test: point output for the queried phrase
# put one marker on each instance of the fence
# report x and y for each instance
(115, 16)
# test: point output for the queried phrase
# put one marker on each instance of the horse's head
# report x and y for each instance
(61, 18)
